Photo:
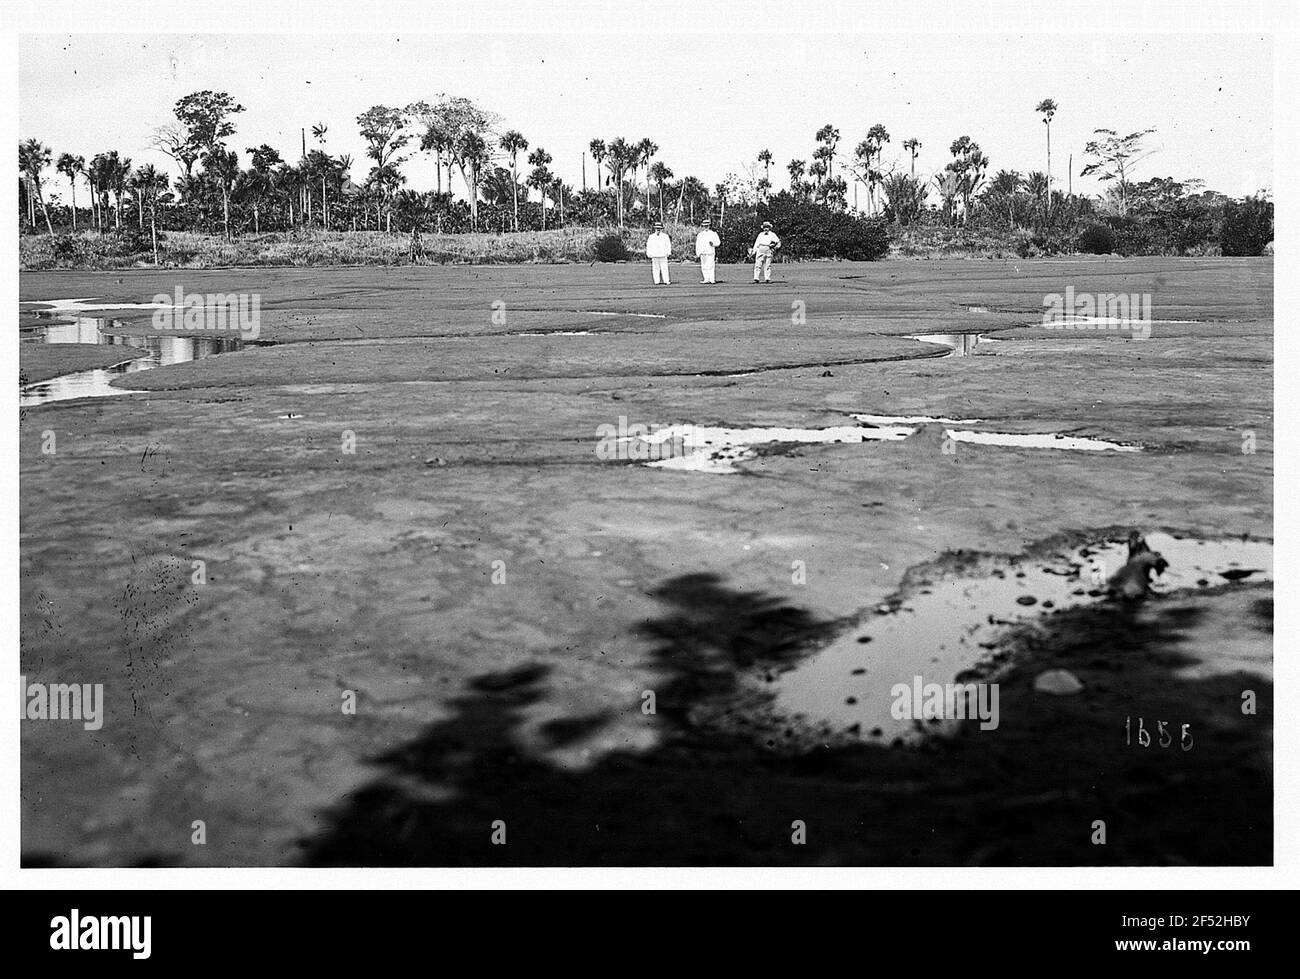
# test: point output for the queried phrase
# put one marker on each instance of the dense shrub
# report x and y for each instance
(1247, 226)
(1096, 239)
(611, 248)
(807, 230)
(129, 242)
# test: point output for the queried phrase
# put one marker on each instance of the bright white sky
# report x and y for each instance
(710, 101)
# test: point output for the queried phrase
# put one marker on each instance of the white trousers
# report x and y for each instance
(706, 266)
(763, 266)
(659, 268)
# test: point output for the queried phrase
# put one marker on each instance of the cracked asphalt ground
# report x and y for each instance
(500, 600)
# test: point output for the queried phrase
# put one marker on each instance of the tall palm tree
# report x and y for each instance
(541, 178)
(319, 130)
(622, 155)
(114, 172)
(662, 175)
(72, 167)
(646, 149)
(912, 145)
(149, 183)
(1038, 187)
(223, 165)
(765, 158)
(1048, 109)
(598, 153)
(513, 142)
(1003, 186)
(99, 174)
(829, 137)
(33, 158)
(138, 193)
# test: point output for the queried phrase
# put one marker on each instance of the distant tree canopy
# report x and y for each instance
(503, 182)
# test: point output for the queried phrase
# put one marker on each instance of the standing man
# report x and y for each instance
(657, 248)
(765, 246)
(706, 249)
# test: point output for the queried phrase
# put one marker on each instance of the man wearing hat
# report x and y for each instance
(657, 248)
(706, 249)
(765, 246)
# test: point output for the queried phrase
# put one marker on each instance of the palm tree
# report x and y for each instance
(820, 169)
(71, 167)
(33, 158)
(99, 174)
(223, 164)
(622, 155)
(765, 158)
(149, 183)
(598, 153)
(693, 192)
(662, 174)
(89, 177)
(646, 150)
(541, 178)
(1048, 109)
(319, 130)
(1037, 185)
(912, 145)
(137, 192)
(1003, 186)
(829, 137)
(512, 142)
(111, 174)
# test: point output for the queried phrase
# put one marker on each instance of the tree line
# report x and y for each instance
(506, 183)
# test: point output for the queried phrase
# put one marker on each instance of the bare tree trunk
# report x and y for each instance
(44, 210)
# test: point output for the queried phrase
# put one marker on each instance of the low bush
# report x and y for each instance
(1096, 239)
(1247, 226)
(611, 248)
(807, 231)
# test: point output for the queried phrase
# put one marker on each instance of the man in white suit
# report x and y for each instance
(657, 248)
(706, 249)
(765, 246)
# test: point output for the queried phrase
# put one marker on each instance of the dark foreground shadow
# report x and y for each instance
(1028, 793)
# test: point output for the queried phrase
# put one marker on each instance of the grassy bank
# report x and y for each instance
(90, 251)
(184, 249)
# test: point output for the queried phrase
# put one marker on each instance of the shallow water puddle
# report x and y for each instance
(553, 333)
(1044, 440)
(159, 351)
(961, 344)
(948, 625)
(716, 449)
(700, 448)
(87, 305)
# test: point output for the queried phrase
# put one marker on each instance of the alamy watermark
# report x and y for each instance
(1121, 311)
(63, 702)
(219, 312)
(643, 441)
(920, 701)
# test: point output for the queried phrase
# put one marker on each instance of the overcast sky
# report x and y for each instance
(711, 102)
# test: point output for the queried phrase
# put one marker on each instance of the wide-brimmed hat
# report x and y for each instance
(767, 224)
(659, 224)
(707, 222)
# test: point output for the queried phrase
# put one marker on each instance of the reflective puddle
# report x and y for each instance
(149, 352)
(959, 344)
(717, 449)
(701, 448)
(950, 622)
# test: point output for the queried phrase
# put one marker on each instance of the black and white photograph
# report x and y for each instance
(773, 438)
